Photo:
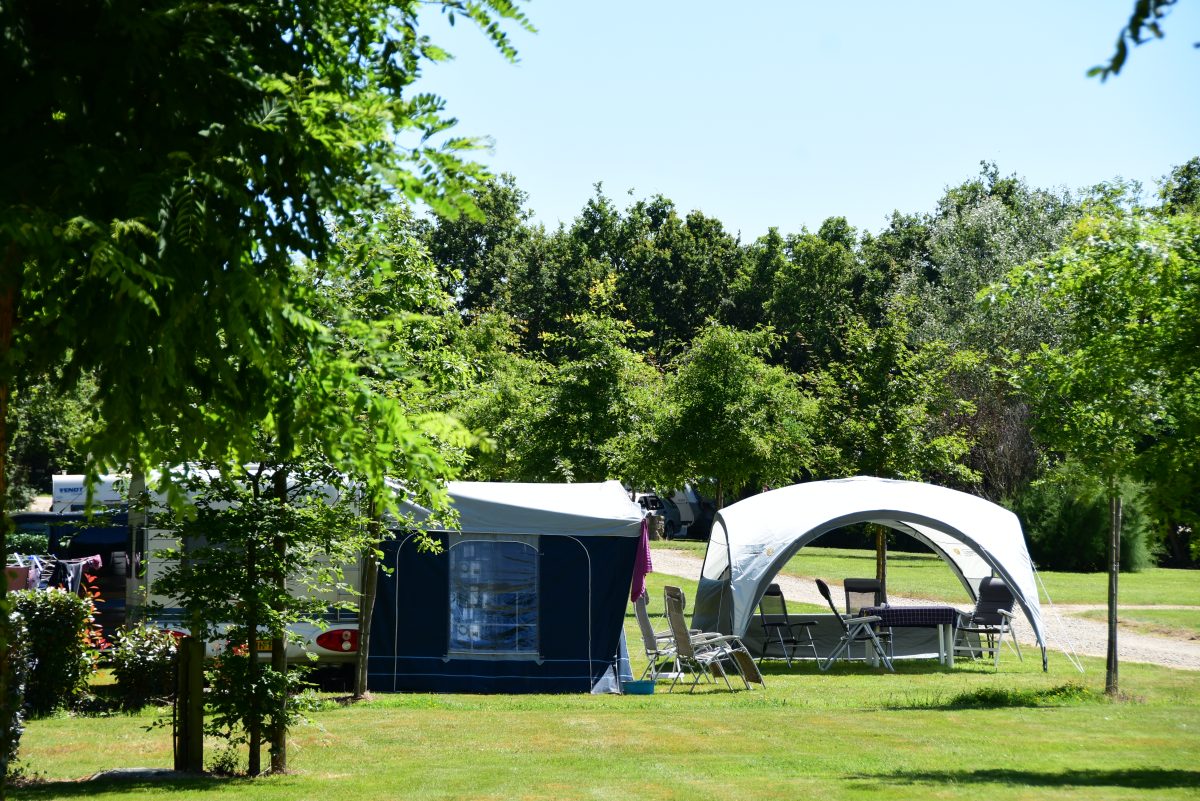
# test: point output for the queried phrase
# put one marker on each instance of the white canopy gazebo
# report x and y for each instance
(753, 539)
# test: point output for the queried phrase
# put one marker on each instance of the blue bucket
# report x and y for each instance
(638, 687)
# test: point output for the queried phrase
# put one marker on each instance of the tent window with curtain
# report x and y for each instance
(493, 598)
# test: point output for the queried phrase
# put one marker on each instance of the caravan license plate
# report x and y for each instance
(263, 646)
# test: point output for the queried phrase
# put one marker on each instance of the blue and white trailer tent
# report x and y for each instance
(529, 595)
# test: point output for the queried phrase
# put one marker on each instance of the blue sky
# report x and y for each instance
(782, 114)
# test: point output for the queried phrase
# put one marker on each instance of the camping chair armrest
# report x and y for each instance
(719, 639)
(865, 619)
(1005, 613)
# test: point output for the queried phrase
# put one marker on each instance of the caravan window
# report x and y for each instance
(493, 597)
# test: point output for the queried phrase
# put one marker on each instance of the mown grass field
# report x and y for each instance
(854, 733)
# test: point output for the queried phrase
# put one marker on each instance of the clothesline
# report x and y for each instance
(42, 572)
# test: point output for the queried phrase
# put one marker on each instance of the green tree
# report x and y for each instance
(485, 252)
(750, 287)
(730, 417)
(889, 408)
(1181, 190)
(393, 319)
(812, 297)
(886, 259)
(45, 424)
(983, 228)
(572, 416)
(167, 164)
(674, 273)
(244, 532)
(1118, 392)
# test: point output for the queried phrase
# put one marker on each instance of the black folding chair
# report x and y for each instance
(983, 632)
(782, 630)
(855, 630)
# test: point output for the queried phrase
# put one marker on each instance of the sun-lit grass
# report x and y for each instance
(920, 575)
(1178, 623)
(854, 733)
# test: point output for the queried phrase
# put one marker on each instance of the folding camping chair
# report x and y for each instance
(984, 630)
(659, 645)
(706, 652)
(779, 628)
(854, 630)
(863, 592)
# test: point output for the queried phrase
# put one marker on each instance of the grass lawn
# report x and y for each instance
(854, 733)
(1180, 623)
(847, 735)
(926, 576)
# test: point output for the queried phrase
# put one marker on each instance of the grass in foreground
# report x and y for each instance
(851, 734)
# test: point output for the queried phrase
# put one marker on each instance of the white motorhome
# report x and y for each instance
(69, 493)
(335, 642)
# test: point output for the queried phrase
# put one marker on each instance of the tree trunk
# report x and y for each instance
(278, 638)
(881, 558)
(1111, 684)
(366, 604)
(253, 727)
(253, 722)
(9, 276)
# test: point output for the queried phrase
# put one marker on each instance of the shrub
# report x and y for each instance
(16, 663)
(143, 660)
(27, 542)
(60, 627)
(1065, 517)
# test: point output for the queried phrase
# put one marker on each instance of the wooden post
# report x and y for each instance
(189, 706)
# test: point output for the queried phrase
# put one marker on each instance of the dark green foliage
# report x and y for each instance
(169, 162)
(812, 298)
(1000, 697)
(16, 663)
(1181, 190)
(27, 542)
(60, 628)
(484, 254)
(889, 408)
(143, 661)
(45, 421)
(730, 417)
(1065, 517)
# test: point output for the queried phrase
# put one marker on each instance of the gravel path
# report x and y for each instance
(1063, 627)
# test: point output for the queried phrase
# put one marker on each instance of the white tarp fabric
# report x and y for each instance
(586, 510)
(754, 538)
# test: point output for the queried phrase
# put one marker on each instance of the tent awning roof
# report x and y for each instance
(601, 509)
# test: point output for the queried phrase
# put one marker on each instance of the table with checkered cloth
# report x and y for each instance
(913, 616)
